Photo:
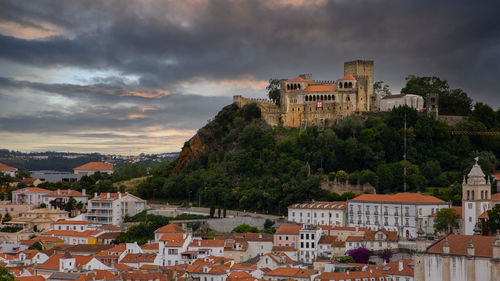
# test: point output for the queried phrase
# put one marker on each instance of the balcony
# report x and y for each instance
(407, 214)
(376, 213)
(385, 213)
(367, 213)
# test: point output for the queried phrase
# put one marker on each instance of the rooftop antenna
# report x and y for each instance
(404, 157)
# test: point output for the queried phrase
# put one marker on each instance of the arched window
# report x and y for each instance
(322, 98)
(333, 97)
(298, 85)
(486, 194)
(288, 86)
(472, 197)
(482, 194)
(317, 97)
(468, 195)
(345, 84)
(329, 97)
(306, 98)
(340, 84)
(350, 84)
(314, 98)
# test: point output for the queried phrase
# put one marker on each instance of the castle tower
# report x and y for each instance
(431, 104)
(363, 72)
(476, 197)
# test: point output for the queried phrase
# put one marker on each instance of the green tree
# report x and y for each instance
(446, 219)
(494, 219)
(273, 90)
(5, 275)
(380, 87)
(245, 228)
(342, 176)
(485, 114)
(36, 246)
(347, 259)
(23, 174)
(7, 217)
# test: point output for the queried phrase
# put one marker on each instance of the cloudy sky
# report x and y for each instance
(142, 76)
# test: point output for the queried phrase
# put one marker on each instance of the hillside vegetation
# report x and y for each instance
(239, 162)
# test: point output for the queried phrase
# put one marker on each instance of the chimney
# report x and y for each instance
(119, 195)
(107, 195)
(400, 266)
(470, 248)
(69, 190)
(446, 246)
(95, 194)
(58, 191)
(84, 192)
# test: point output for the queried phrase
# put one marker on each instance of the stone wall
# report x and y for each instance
(227, 224)
(338, 187)
(451, 120)
(269, 110)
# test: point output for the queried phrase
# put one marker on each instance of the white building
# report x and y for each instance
(401, 212)
(476, 198)
(171, 246)
(73, 225)
(318, 213)
(388, 102)
(94, 167)
(111, 208)
(458, 258)
(29, 195)
(8, 170)
(64, 195)
(309, 239)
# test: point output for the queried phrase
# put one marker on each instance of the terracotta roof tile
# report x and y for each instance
(321, 88)
(354, 239)
(288, 229)
(495, 197)
(320, 205)
(390, 235)
(399, 197)
(325, 239)
(65, 193)
(30, 278)
(170, 228)
(207, 243)
(392, 268)
(173, 239)
(297, 79)
(352, 275)
(283, 249)
(348, 77)
(52, 263)
(4, 167)
(457, 209)
(32, 189)
(71, 222)
(458, 245)
(292, 272)
(95, 166)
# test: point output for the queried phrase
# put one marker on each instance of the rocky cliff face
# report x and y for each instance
(191, 150)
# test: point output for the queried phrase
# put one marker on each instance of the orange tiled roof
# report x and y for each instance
(135, 258)
(297, 79)
(321, 88)
(391, 235)
(30, 278)
(325, 239)
(95, 166)
(240, 276)
(32, 189)
(122, 267)
(457, 209)
(52, 263)
(392, 268)
(65, 193)
(152, 246)
(239, 266)
(354, 239)
(399, 197)
(320, 205)
(484, 214)
(4, 167)
(120, 248)
(495, 197)
(112, 196)
(458, 245)
(170, 228)
(353, 275)
(173, 239)
(348, 77)
(288, 229)
(292, 272)
(47, 239)
(207, 243)
(72, 233)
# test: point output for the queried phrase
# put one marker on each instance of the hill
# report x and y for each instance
(237, 161)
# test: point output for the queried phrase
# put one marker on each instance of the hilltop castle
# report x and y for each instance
(306, 102)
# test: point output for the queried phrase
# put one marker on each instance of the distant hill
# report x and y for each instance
(237, 161)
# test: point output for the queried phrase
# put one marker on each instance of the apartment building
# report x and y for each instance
(318, 213)
(401, 212)
(111, 208)
(29, 195)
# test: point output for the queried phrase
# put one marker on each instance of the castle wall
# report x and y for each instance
(269, 110)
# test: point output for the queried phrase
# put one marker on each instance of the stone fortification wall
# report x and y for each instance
(338, 187)
(269, 110)
(451, 120)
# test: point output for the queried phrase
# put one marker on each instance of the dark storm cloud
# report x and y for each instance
(170, 44)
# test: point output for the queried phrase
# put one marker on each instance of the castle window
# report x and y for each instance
(472, 195)
(288, 86)
(486, 194)
(482, 194)
(333, 97)
(350, 84)
(298, 86)
(314, 98)
(340, 85)
(468, 195)
(348, 98)
(345, 84)
(306, 98)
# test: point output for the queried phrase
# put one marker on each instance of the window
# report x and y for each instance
(312, 236)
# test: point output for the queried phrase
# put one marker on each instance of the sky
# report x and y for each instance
(141, 76)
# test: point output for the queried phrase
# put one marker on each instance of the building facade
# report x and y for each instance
(309, 239)
(476, 198)
(111, 208)
(307, 102)
(318, 213)
(29, 195)
(94, 167)
(402, 212)
(388, 102)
